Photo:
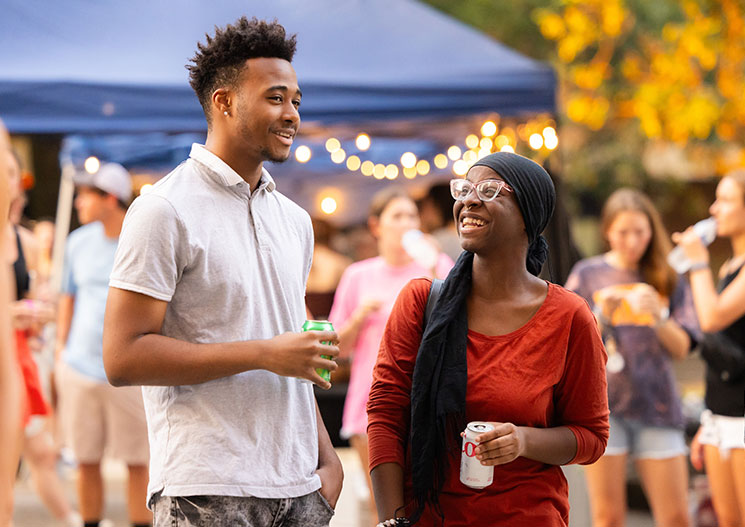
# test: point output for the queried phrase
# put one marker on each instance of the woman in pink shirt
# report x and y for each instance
(365, 297)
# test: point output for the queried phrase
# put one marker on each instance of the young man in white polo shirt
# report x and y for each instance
(206, 303)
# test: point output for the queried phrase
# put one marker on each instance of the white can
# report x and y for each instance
(472, 473)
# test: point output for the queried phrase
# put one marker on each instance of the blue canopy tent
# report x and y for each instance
(90, 67)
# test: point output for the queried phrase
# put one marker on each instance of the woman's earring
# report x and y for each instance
(225, 113)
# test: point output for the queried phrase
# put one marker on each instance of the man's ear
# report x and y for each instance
(222, 100)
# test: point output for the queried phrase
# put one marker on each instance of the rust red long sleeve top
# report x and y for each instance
(548, 373)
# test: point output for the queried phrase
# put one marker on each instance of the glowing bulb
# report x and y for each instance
(549, 131)
(472, 141)
(454, 152)
(486, 143)
(367, 168)
(328, 205)
(460, 167)
(483, 153)
(362, 142)
(422, 167)
(302, 154)
(409, 172)
(379, 172)
(551, 142)
(92, 164)
(507, 148)
(338, 156)
(488, 129)
(144, 189)
(469, 156)
(391, 171)
(332, 144)
(535, 141)
(501, 140)
(408, 160)
(353, 163)
(441, 160)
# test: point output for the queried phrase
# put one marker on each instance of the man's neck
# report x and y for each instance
(112, 226)
(235, 158)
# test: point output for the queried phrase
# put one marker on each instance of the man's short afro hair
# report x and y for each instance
(219, 62)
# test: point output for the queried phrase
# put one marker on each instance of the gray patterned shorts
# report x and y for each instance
(311, 510)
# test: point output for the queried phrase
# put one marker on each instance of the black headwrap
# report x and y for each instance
(438, 389)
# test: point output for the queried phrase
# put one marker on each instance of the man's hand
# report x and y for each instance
(299, 354)
(332, 477)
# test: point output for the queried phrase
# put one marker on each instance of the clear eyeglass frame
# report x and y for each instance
(486, 190)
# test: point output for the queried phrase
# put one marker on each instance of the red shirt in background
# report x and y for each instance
(548, 373)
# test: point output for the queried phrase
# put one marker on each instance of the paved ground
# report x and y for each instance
(352, 510)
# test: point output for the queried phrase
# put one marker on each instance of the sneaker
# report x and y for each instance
(106, 523)
(74, 519)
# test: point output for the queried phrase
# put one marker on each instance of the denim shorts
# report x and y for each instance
(311, 510)
(641, 441)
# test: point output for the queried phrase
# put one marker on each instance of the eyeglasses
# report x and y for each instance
(486, 190)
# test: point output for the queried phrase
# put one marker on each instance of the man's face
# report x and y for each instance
(90, 204)
(266, 109)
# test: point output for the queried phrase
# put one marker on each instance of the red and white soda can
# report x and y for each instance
(472, 473)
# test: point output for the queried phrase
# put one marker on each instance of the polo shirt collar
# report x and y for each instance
(226, 175)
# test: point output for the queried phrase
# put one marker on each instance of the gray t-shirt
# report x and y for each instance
(232, 266)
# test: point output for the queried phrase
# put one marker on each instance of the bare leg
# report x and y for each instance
(606, 486)
(41, 456)
(722, 484)
(359, 443)
(666, 486)
(90, 491)
(137, 494)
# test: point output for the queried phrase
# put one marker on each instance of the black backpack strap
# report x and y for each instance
(434, 294)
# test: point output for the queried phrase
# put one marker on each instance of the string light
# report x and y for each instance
(353, 163)
(367, 168)
(408, 160)
(391, 171)
(488, 129)
(92, 164)
(454, 152)
(472, 141)
(409, 172)
(328, 205)
(379, 171)
(535, 141)
(362, 142)
(303, 154)
(144, 189)
(551, 142)
(441, 161)
(422, 167)
(332, 145)
(338, 156)
(486, 143)
(507, 148)
(460, 167)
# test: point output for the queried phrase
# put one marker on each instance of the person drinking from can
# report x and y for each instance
(501, 346)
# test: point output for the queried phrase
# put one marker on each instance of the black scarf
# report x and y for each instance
(438, 389)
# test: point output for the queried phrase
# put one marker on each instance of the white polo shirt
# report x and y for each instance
(232, 265)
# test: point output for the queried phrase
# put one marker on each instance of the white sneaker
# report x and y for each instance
(74, 519)
(106, 523)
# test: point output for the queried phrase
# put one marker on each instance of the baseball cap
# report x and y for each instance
(112, 178)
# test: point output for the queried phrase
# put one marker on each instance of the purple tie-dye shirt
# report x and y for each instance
(641, 386)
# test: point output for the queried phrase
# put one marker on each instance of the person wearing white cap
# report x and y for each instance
(95, 416)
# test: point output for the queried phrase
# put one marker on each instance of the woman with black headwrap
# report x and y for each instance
(501, 346)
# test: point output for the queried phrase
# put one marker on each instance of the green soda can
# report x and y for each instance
(320, 325)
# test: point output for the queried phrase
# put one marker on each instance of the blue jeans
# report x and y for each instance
(311, 510)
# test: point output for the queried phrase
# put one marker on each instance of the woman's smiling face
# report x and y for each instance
(487, 225)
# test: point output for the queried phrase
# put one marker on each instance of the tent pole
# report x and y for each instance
(62, 222)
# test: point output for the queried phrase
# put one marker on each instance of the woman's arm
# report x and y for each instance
(389, 403)
(715, 311)
(673, 338)
(507, 442)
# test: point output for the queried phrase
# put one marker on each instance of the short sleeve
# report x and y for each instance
(576, 283)
(346, 298)
(68, 287)
(153, 249)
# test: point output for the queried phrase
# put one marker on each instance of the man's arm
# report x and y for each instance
(135, 353)
(65, 310)
(329, 469)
